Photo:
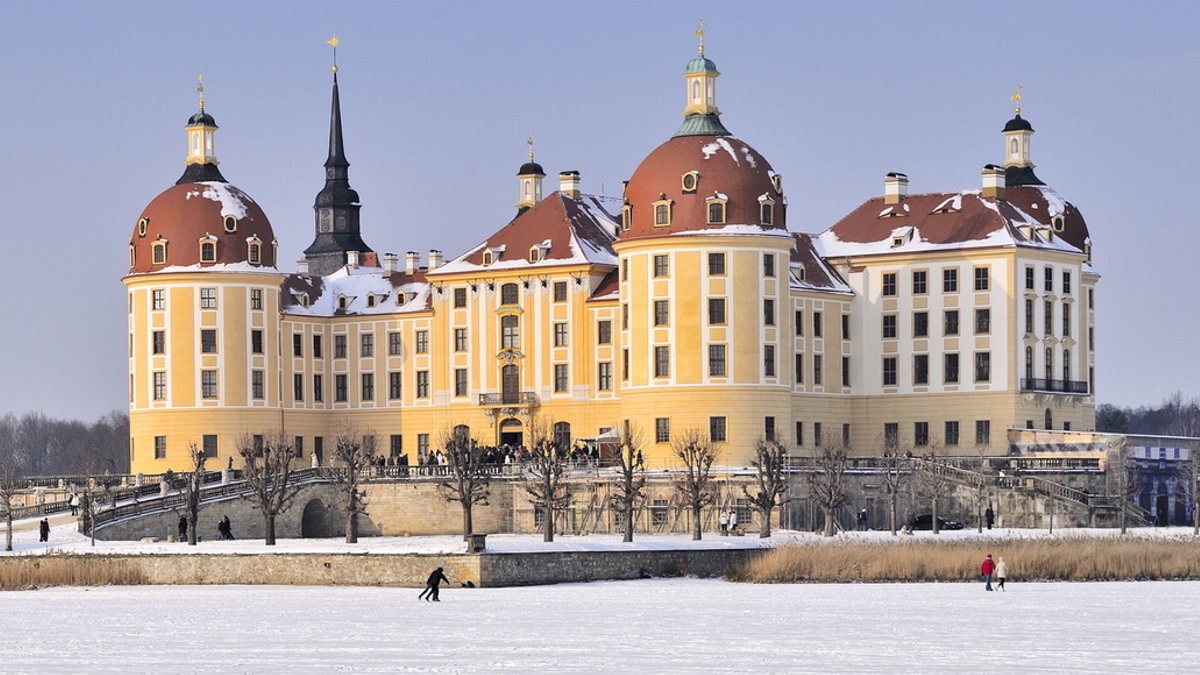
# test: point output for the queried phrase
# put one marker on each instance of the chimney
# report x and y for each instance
(993, 182)
(435, 259)
(895, 188)
(302, 265)
(412, 261)
(568, 184)
(391, 262)
(352, 258)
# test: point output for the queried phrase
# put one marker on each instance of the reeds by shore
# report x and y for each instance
(1032, 559)
(26, 572)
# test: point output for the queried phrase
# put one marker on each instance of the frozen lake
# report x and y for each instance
(652, 626)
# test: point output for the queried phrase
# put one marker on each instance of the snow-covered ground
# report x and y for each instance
(652, 626)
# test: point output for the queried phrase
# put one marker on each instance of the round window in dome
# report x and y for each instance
(143, 223)
(231, 224)
(690, 179)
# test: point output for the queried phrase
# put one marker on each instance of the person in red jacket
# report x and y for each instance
(986, 569)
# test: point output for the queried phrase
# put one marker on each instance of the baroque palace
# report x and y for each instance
(916, 320)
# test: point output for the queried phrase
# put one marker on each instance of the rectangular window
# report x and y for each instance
(317, 346)
(769, 312)
(920, 324)
(256, 341)
(845, 326)
(368, 344)
(889, 371)
(208, 445)
(983, 366)
(661, 267)
(422, 384)
(952, 433)
(560, 377)
(662, 430)
(255, 298)
(768, 264)
(368, 386)
(397, 445)
(950, 326)
(560, 291)
(208, 384)
(339, 346)
(920, 284)
(845, 371)
(1066, 284)
(662, 312)
(889, 326)
(920, 433)
(1029, 275)
(799, 369)
(769, 428)
(891, 434)
(716, 360)
(460, 339)
(394, 389)
(160, 447)
(983, 432)
(604, 379)
(297, 387)
(394, 344)
(624, 364)
(920, 369)
(1066, 321)
(604, 332)
(256, 383)
(298, 445)
(297, 345)
(716, 311)
(662, 214)
(816, 369)
(624, 316)
(817, 437)
(1048, 283)
(889, 283)
(716, 429)
(769, 360)
(982, 279)
(158, 299)
(1091, 339)
(846, 435)
(799, 434)
(950, 280)
(951, 368)
(208, 298)
(816, 324)
(460, 297)
(159, 340)
(1091, 298)
(422, 342)
(460, 381)
(716, 264)
(799, 323)
(339, 388)
(208, 341)
(560, 334)
(318, 388)
(1048, 315)
(1028, 316)
(422, 444)
(160, 385)
(662, 362)
(983, 321)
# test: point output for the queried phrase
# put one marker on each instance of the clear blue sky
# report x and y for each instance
(438, 98)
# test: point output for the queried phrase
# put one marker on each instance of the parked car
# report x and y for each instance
(925, 522)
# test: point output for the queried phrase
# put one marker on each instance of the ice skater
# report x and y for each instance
(986, 569)
(1001, 573)
(431, 586)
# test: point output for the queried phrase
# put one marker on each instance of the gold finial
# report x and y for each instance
(200, 89)
(530, 142)
(333, 42)
(700, 34)
(1017, 97)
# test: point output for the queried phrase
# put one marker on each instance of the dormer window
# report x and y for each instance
(691, 179)
(254, 255)
(370, 300)
(488, 258)
(132, 254)
(231, 224)
(716, 208)
(801, 273)
(208, 251)
(303, 299)
(897, 242)
(626, 217)
(1057, 222)
(778, 181)
(662, 211)
(143, 223)
(400, 299)
(343, 302)
(160, 252)
(766, 210)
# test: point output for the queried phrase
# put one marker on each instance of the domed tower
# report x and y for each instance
(704, 281)
(203, 312)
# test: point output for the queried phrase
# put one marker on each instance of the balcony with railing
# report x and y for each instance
(1055, 386)
(509, 399)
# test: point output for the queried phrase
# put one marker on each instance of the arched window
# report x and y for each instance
(562, 434)
(509, 294)
(716, 210)
(255, 254)
(1049, 419)
(208, 251)
(462, 433)
(528, 188)
(626, 217)
(1013, 150)
(510, 331)
(695, 91)
(160, 253)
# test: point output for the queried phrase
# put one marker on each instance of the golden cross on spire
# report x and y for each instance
(333, 42)
(1017, 97)
(700, 34)
(530, 142)
(200, 89)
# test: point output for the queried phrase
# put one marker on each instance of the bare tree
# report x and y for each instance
(267, 470)
(468, 482)
(827, 483)
(1126, 479)
(697, 453)
(10, 483)
(983, 487)
(896, 469)
(546, 466)
(933, 483)
(193, 482)
(631, 486)
(770, 482)
(353, 452)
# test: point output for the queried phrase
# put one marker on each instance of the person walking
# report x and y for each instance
(1001, 572)
(44, 530)
(723, 523)
(435, 580)
(74, 503)
(862, 520)
(733, 522)
(228, 528)
(989, 516)
(183, 528)
(987, 568)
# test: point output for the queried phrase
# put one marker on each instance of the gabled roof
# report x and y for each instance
(566, 231)
(810, 271)
(356, 285)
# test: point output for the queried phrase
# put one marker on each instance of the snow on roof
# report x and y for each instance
(364, 291)
(238, 267)
(231, 198)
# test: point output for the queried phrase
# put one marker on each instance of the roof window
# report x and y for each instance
(231, 224)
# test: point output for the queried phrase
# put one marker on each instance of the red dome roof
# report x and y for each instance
(188, 212)
(724, 166)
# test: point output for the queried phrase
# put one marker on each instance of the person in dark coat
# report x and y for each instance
(986, 569)
(989, 516)
(228, 528)
(183, 528)
(44, 529)
(431, 586)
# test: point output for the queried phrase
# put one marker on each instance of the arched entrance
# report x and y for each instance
(512, 433)
(314, 524)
